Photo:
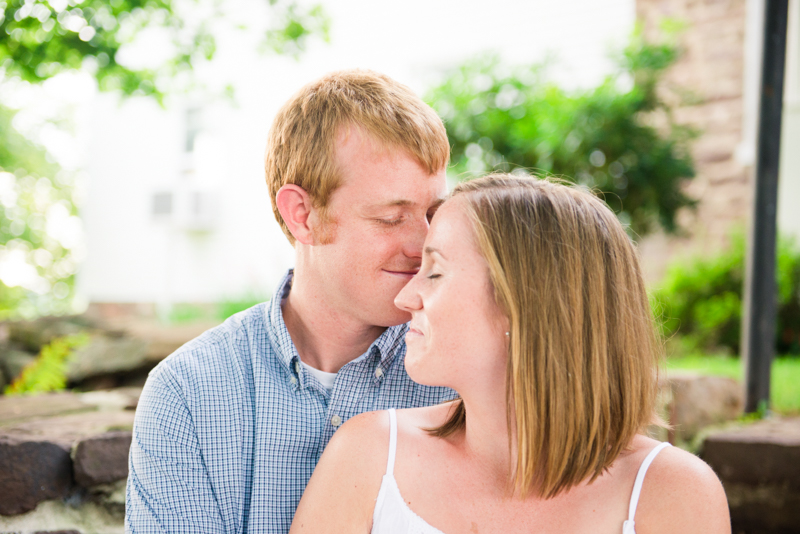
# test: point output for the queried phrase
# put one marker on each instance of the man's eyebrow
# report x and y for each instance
(431, 250)
(392, 203)
(404, 203)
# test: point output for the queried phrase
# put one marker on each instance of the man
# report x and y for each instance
(230, 427)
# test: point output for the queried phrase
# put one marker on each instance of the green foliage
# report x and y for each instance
(296, 27)
(42, 38)
(700, 299)
(511, 119)
(34, 194)
(48, 371)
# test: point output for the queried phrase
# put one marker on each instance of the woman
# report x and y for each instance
(530, 304)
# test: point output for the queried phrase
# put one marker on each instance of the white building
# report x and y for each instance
(177, 207)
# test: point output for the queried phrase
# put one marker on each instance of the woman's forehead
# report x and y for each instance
(451, 231)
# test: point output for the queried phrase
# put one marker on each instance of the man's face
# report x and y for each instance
(377, 222)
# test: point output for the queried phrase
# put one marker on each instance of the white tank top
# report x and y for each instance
(393, 516)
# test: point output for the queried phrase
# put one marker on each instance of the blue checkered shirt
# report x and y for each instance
(230, 427)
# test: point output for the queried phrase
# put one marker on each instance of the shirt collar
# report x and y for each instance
(384, 349)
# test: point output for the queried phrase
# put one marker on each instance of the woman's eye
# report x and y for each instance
(390, 222)
(433, 276)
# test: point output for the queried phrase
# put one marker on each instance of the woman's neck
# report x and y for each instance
(486, 434)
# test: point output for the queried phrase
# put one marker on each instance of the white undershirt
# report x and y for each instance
(326, 379)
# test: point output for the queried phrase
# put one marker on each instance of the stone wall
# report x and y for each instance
(706, 86)
(759, 466)
(63, 456)
(64, 460)
(118, 353)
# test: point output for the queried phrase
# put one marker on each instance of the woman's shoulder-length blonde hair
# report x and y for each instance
(583, 352)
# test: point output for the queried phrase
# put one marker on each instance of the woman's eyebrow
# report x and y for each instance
(431, 250)
(437, 204)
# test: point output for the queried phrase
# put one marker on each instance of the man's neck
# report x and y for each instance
(325, 337)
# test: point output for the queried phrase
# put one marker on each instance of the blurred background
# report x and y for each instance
(134, 212)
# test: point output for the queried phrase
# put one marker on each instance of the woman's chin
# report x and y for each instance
(414, 367)
(417, 371)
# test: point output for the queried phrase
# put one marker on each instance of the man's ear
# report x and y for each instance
(295, 207)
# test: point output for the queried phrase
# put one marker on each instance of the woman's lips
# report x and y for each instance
(414, 331)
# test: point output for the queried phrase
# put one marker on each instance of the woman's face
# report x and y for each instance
(457, 330)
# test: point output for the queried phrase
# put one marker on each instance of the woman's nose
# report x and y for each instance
(408, 299)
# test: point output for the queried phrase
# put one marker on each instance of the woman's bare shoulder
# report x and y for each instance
(341, 494)
(362, 441)
(681, 493)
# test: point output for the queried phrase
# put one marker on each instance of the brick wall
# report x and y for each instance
(711, 69)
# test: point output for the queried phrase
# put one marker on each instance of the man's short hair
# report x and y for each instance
(301, 148)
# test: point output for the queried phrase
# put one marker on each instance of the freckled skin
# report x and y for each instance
(353, 257)
(375, 247)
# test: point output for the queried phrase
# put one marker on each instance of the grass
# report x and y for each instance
(785, 386)
(184, 313)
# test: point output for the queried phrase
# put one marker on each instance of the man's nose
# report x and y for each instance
(415, 238)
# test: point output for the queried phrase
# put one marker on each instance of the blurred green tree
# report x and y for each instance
(618, 138)
(40, 39)
(44, 38)
(38, 265)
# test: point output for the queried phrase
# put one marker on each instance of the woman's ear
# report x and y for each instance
(295, 207)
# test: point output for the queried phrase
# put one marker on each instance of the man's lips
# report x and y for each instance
(408, 275)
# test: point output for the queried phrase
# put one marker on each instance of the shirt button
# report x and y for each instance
(297, 367)
(293, 380)
(378, 373)
(336, 421)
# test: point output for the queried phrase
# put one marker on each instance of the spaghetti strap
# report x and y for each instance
(637, 486)
(392, 441)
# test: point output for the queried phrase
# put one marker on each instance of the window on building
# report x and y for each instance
(162, 204)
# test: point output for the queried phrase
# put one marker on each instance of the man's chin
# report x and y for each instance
(392, 319)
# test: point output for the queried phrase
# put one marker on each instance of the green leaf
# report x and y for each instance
(48, 371)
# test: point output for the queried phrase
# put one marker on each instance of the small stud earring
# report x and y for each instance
(507, 334)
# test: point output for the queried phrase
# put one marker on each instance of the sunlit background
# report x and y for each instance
(173, 204)
(148, 188)
(134, 212)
